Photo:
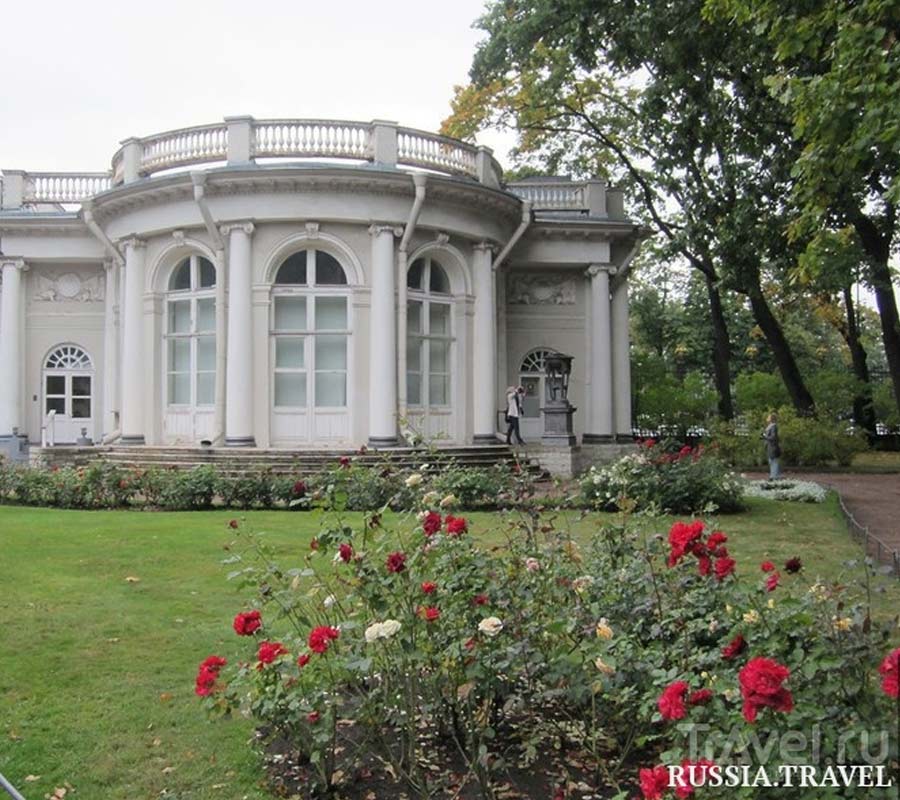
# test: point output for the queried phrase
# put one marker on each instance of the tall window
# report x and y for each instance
(191, 334)
(310, 327)
(429, 334)
(532, 376)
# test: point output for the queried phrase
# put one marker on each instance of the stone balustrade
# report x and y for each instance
(243, 140)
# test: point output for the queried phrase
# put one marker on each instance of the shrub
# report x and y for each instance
(679, 481)
(759, 392)
(371, 655)
(797, 491)
(476, 488)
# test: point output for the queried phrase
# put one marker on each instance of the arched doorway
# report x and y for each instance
(68, 389)
(532, 375)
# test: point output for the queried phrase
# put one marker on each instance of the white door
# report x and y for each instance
(68, 389)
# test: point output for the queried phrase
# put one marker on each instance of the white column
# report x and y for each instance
(383, 340)
(600, 419)
(484, 355)
(621, 362)
(134, 364)
(11, 346)
(239, 370)
(110, 346)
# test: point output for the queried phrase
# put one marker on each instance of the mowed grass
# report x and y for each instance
(96, 672)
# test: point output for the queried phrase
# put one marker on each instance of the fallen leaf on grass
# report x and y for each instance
(157, 742)
(58, 794)
(165, 697)
(114, 640)
(32, 778)
(167, 770)
(15, 736)
(132, 579)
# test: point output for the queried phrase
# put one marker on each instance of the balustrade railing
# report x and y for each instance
(552, 195)
(428, 150)
(311, 138)
(241, 140)
(184, 147)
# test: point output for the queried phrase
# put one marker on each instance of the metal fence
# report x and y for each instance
(873, 546)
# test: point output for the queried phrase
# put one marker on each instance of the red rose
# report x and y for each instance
(793, 565)
(429, 614)
(734, 648)
(704, 564)
(724, 567)
(269, 651)
(654, 782)
(299, 489)
(247, 622)
(480, 600)
(432, 523)
(767, 566)
(207, 674)
(648, 443)
(428, 587)
(396, 562)
(319, 638)
(345, 461)
(671, 701)
(312, 717)
(715, 542)
(890, 671)
(314, 544)
(700, 698)
(696, 773)
(761, 680)
(456, 525)
(682, 539)
(233, 523)
(303, 660)
(346, 553)
(470, 644)
(772, 582)
(684, 452)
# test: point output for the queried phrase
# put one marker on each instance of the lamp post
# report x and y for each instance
(558, 410)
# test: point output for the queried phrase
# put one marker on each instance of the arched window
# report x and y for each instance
(310, 326)
(429, 334)
(532, 376)
(191, 334)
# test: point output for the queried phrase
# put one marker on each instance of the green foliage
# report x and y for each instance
(477, 488)
(678, 481)
(759, 392)
(886, 406)
(805, 441)
(662, 401)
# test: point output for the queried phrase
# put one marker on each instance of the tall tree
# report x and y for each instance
(672, 104)
(837, 71)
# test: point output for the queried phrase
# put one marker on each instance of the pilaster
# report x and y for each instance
(12, 303)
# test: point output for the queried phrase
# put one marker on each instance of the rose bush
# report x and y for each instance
(680, 480)
(425, 649)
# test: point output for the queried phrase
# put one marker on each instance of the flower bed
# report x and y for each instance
(416, 662)
(679, 480)
(362, 486)
(795, 491)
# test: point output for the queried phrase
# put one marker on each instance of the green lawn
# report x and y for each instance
(96, 672)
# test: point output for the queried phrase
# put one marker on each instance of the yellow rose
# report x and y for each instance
(603, 629)
(603, 667)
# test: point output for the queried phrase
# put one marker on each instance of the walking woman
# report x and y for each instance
(513, 412)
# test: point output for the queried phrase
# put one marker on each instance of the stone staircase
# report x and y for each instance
(237, 461)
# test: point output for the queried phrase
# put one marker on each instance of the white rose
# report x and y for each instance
(490, 626)
(329, 601)
(430, 498)
(389, 627)
(373, 632)
(414, 480)
(448, 501)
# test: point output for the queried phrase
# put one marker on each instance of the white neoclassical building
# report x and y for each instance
(306, 283)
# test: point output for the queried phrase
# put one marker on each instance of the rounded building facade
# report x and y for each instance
(306, 284)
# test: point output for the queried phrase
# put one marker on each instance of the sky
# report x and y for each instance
(78, 77)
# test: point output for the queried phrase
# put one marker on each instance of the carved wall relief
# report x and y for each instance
(541, 290)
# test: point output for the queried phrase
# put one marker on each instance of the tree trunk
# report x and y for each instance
(863, 410)
(890, 322)
(781, 350)
(877, 247)
(721, 351)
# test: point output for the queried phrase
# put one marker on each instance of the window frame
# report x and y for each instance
(423, 338)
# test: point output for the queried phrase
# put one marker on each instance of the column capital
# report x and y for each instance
(108, 264)
(246, 226)
(484, 246)
(595, 269)
(133, 242)
(378, 228)
(14, 261)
